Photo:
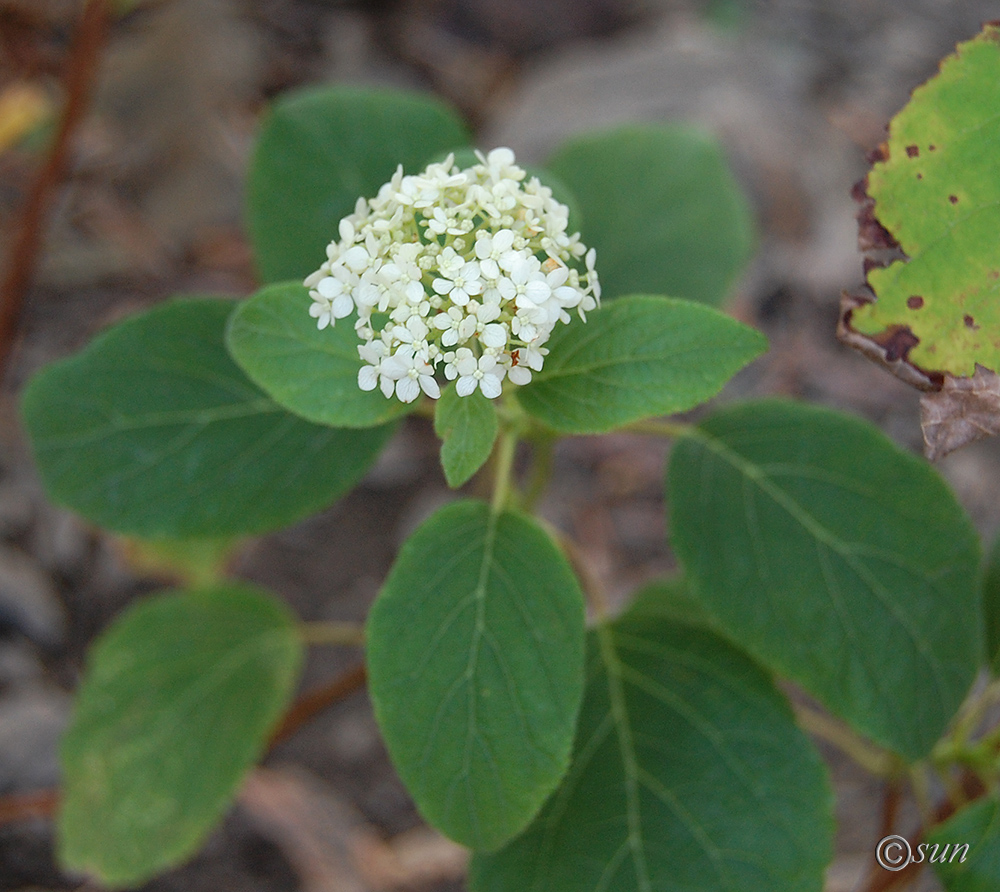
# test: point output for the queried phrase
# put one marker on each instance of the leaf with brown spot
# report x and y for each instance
(930, 209)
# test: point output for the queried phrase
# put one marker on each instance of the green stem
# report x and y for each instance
(869, 756)
(543, 446)
(332, 632)
(979, 756)
(973, 715)
(661, 428)
(425, 408)
(593, 591)
(953, 789)
(506, 450)
(920, 784)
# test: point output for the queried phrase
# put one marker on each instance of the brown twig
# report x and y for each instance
(81, 67)
(890, 807)
(311, 704)
(22, 806)
(880, 880)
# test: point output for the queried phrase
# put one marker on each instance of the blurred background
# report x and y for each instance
(798, 91)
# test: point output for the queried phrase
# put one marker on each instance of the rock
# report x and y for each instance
(59, 540)
(20, 666)
(16, 508)
(29, 603)
(31, 724)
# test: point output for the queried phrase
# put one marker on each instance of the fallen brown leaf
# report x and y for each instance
(963, 411)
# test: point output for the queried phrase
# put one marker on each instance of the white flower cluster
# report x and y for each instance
(465, 270)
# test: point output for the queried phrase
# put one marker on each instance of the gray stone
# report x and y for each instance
(28, 599)
(16, 508)
(59, 540)
(31, 724)
(20, 665)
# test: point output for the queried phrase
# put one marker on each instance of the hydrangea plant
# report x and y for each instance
(652, 750)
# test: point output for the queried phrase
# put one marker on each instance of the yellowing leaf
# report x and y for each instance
(23, 108)
(934, 194)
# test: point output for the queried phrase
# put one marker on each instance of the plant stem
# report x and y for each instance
(890, 806)
(872, 758)
(920, 784)
(331, 632)
(23, 806)
(543, 447)
(81, 68)
(593, 591)
(426, 408)
(661, 428)
(506, 450)
(311, 704)
(970, 718)
(953, 788)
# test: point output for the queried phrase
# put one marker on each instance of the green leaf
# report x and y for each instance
(662, 209)
(321, 149)
(311, 372)
(688, 775)
(468, 426)
(475, 662)
(991, 606)
(179, 698)
(153, 431)
(977, 867)
(938, 194)
(634, 358)
(836, 559)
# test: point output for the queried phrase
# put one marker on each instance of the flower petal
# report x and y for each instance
(407, 389)
(490, 386)
(429, 386)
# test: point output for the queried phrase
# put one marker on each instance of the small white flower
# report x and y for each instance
(494, 252)
(495, 335)
(459, 284)
(483, 373)
(455, 326)
(373, 353)
(411, 373)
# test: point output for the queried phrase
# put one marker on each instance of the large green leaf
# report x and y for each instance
(321, 149)
(468, 427)
(634, 358)
(662, 209)
(688, 775)
(475, 661)
(312, 372)
(937, 192)
(153, 431)
(177, 703)
(835, 558)
(965, 849)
